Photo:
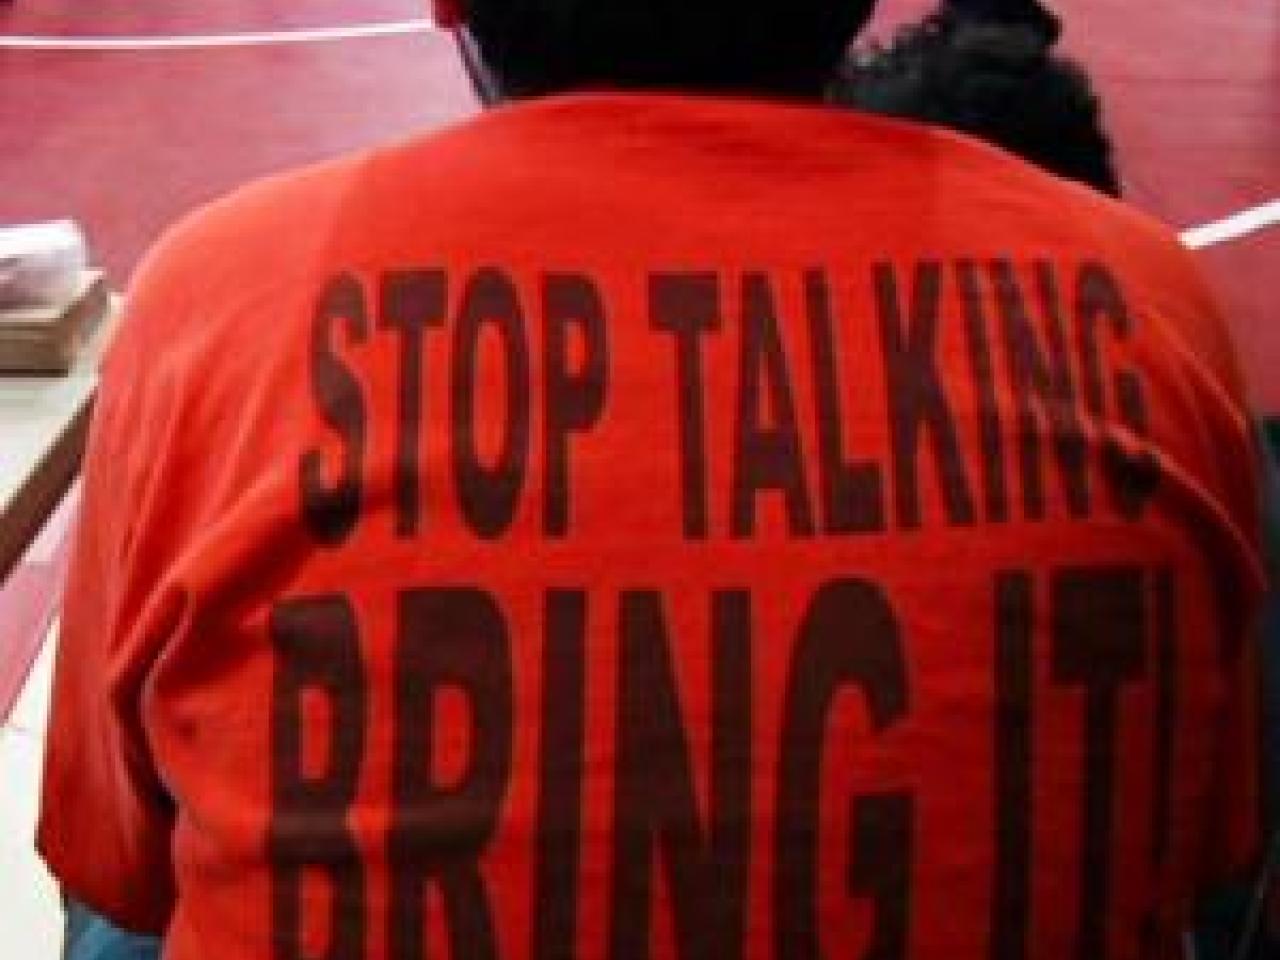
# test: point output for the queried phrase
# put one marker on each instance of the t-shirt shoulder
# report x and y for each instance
(267, 231)
(267, 218)
(1150, 253)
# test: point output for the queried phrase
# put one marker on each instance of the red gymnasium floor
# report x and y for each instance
(126, 140)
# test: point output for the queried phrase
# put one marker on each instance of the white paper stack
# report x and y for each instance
(50, 302)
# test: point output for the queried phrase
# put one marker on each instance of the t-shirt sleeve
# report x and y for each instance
(1237, 836)
(1236, 811)
(106, 819)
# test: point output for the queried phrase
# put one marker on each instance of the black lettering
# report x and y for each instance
(1097, 299)
(917, 400)
(706, 870)
(574, 400)
(411, 301)
(1099, 643)
(1133, 475)
(317, 649)
(448, 638)
(1043, 387)
(489, 495)
(880, 869)
(560, 777)
(688, 306)
(1011, 900)
(331, 512)
(852, 493)
(766, 458)
(1161, 929)
(849, 637)
(980, 360)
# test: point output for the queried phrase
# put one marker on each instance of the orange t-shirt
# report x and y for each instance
(629, 526)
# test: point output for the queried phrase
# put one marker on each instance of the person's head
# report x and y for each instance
(771, 47)
(996, 81)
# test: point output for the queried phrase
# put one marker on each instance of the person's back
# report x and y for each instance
(640, 525)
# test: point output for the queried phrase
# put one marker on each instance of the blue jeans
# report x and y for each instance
(90, 937)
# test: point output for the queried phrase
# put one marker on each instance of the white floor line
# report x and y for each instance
(1234, 227)
(219, 40)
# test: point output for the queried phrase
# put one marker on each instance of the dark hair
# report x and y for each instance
(994, 80)
(1027, 13)
(786, 47)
